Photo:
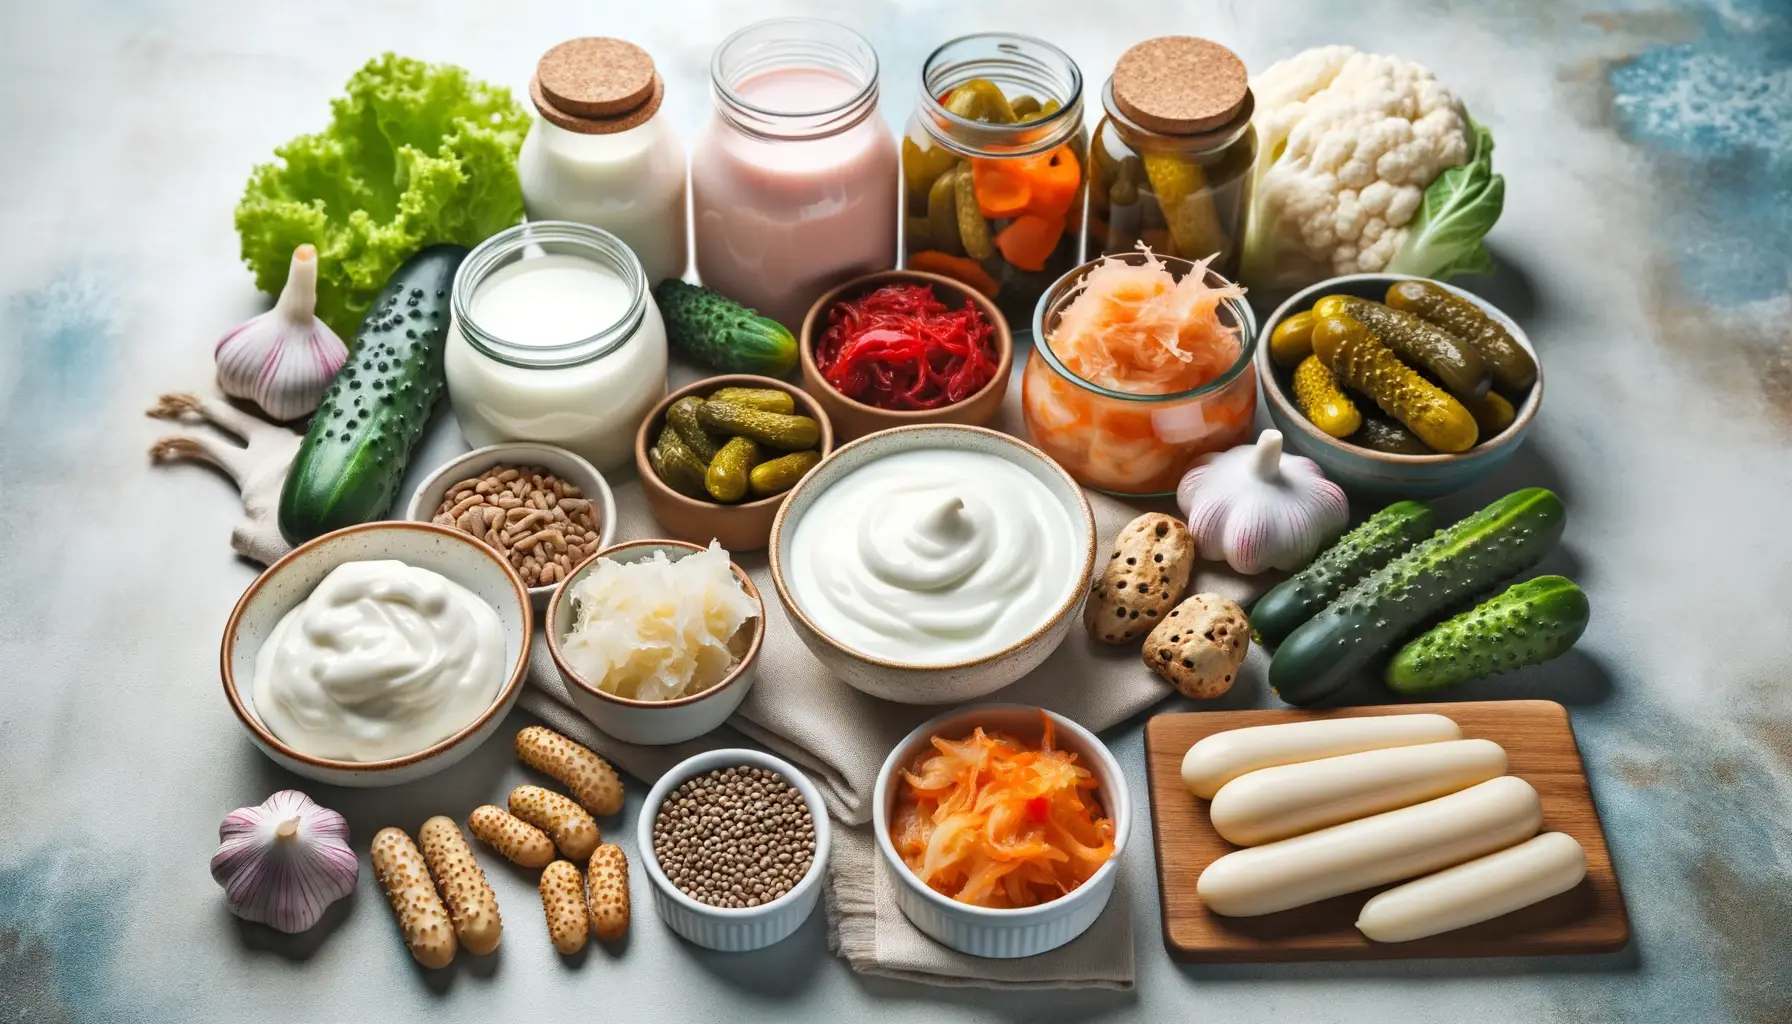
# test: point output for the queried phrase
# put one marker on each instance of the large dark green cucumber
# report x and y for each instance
(1528, 624)
(1500, 541)
(352, 459)
(1357, 554)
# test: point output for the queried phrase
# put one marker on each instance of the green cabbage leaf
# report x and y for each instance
(1460, 207)
(415, 154)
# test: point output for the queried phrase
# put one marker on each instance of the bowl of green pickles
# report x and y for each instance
(717, 457)
(1398, 385)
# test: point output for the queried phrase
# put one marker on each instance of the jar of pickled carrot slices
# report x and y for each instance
(1141, 364)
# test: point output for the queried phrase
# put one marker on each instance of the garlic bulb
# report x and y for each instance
(283, 359)
(283, 862)
(1255, 508)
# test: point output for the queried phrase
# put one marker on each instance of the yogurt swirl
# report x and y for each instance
(382, 660)
(933, 556)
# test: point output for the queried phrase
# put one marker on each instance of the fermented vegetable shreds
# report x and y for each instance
(994, 822)
(900, 347)
(1135, 328)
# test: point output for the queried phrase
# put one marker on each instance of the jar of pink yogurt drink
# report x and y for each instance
(794, 178)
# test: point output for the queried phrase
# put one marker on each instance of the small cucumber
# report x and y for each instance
(778, 475)
(1514, 371)
(677, 465)
(791, 433)
(726, 478)
(763, 399)
(682, 417)
(1492, 413)
(1317, 394)
(1384, 435)
(352, 460)
(713, 330)
(1357, 554)
(973, 230)
(1356, 354)
(1454, 363)
(1503, 539)
(1292, 340)
(1528, 624)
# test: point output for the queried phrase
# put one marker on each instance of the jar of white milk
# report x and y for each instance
(555, 339)
(599, 154)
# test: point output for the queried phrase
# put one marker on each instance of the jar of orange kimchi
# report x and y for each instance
(1141, 365)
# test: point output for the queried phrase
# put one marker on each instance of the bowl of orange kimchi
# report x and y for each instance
(1003, 826)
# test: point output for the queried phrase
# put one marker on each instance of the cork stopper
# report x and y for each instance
(596, 86)
(1180, 85)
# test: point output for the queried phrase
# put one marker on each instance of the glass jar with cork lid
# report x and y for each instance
(1170, 163)
(600, 153)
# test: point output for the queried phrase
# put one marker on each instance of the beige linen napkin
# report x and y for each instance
(841, 736)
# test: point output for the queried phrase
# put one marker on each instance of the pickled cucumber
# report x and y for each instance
(1292, 340)
(763, 399)
(942, 210)
(1357, 356)
(1187, 204)
(1453, 362)
(1385, 435)
(726, 478)
(791, 433)
(981, 100)
(921, 165)
(1125, 189)
(682, 418)
(1514, 371)
(775, 476)
(1025, 107)
(1317, 394)
(973, 230)
(676, 464)
(1492, 413)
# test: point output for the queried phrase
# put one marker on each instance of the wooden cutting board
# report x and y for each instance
(1540, 749)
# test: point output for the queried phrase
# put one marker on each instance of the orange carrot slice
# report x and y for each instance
(962, 269)
(1055, 178)
(1003, 187)
(1028, 241)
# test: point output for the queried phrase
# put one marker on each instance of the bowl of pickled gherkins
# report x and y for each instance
(1397, 384)
(717, 457)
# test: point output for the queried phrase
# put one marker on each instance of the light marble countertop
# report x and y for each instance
(1645, 242)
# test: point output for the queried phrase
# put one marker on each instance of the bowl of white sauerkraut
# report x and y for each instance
(656, 640)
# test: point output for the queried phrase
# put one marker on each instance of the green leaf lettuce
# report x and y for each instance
(415, 154)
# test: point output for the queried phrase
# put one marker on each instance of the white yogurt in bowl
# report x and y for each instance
(933, 556)
(382, 660)
(932, 564)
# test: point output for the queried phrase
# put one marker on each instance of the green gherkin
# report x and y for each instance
(1528, 624)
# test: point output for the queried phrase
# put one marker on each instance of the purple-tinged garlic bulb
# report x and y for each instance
(1255, 508)
(283, 862)
(283, 359)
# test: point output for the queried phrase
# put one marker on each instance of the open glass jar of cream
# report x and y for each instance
(556, 340)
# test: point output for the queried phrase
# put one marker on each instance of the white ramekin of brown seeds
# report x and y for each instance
(735, 843)
(543, 508)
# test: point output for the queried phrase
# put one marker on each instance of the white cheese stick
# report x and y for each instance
(1224, 756)
(1480, 890)
(1373, 851)
(1287, 800)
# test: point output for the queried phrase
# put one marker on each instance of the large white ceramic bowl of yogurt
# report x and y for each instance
(933, 564)
(377, 654)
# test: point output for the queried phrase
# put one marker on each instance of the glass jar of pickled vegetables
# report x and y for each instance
(1171, 160)
(1139, 367)
(992, 168)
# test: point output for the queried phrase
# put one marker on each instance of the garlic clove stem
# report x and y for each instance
(1269, 455)
(298, 300)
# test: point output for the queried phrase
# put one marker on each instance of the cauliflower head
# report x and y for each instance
(1351, 141)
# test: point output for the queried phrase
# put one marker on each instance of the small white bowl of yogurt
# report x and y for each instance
(377, 654)
(933, 564)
